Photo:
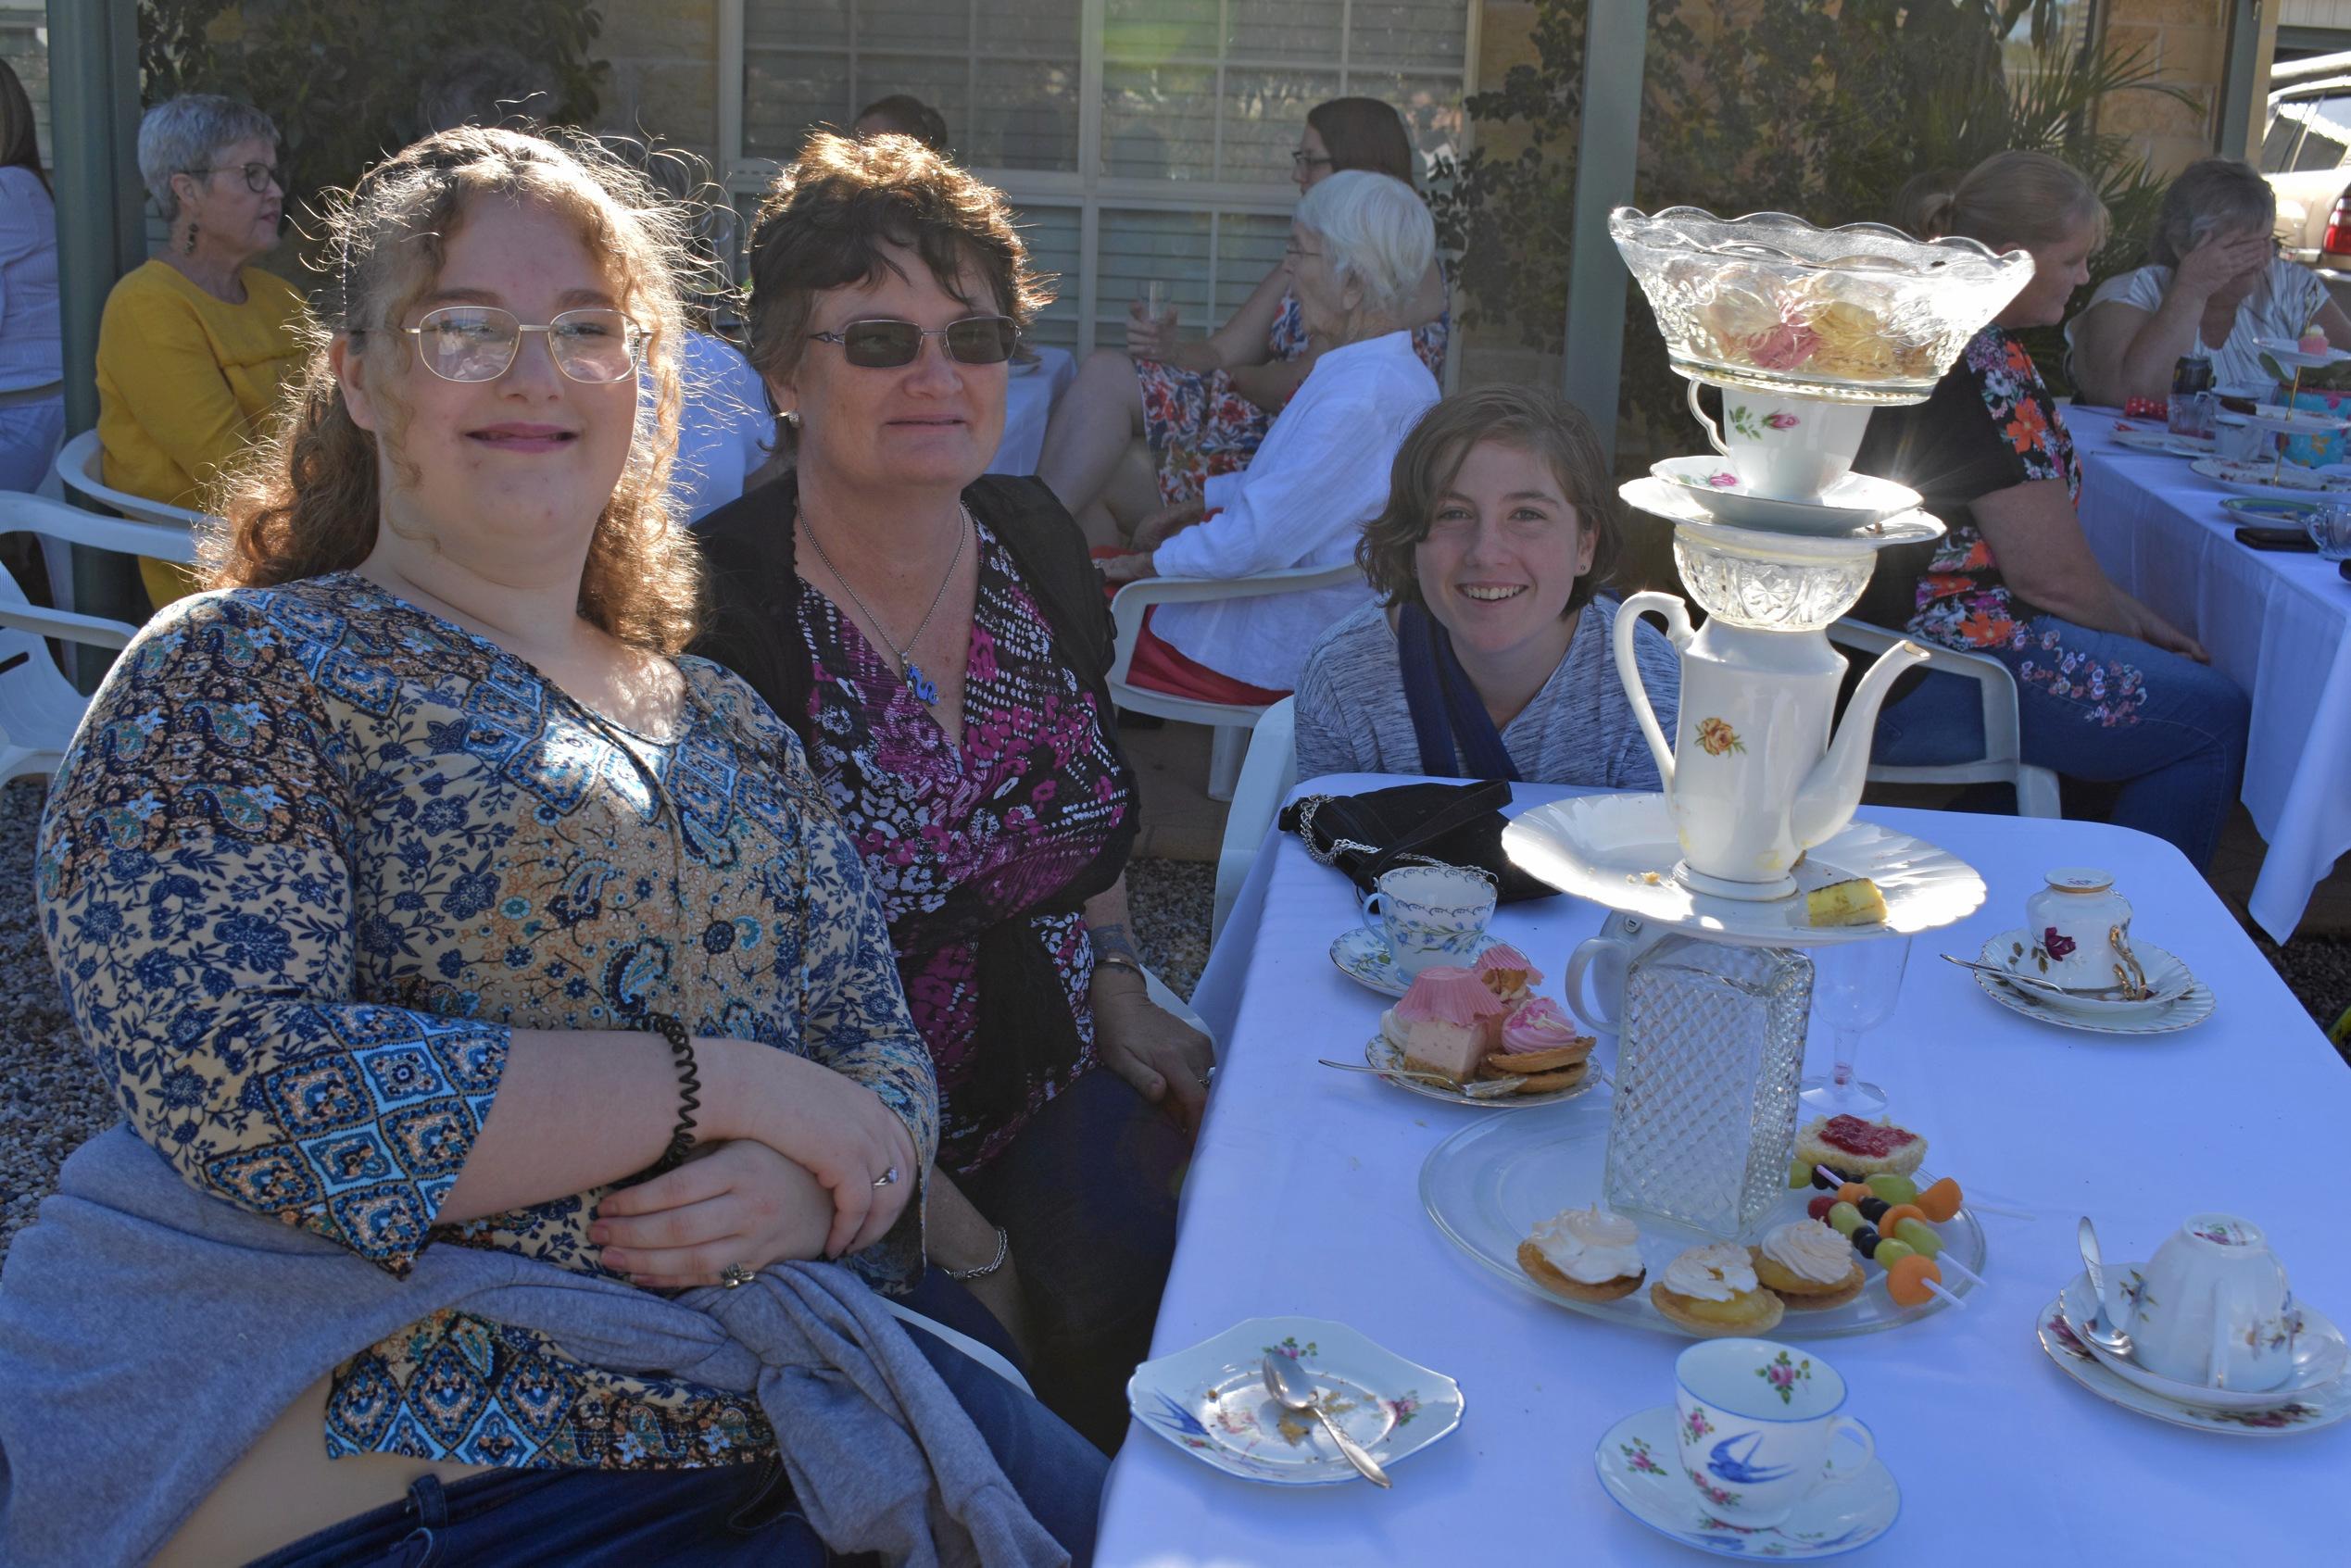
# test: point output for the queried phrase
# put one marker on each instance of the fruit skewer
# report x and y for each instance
(1912, 1276)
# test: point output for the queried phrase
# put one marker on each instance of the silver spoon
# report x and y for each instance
(1477, 1088)
(1290, 1397)
(2011, 976)
(2098, 1331)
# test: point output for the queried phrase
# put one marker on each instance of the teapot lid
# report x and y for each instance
(2079, 879)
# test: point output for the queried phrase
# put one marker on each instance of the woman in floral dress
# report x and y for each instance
(2107, 690)
(1205, 405)
(407, 890)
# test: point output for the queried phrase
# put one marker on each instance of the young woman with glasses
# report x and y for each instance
(477, 973)
(194, 343)
(1203, 406)
(938, 637)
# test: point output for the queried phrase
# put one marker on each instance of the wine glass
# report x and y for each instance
(1855, 986)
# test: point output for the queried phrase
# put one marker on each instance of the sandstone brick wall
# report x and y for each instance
(2189, 42)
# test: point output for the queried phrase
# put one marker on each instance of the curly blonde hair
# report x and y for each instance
(303, 501)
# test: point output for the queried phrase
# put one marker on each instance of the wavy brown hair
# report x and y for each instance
(1526, 418)
(832, 209)
(305, 500)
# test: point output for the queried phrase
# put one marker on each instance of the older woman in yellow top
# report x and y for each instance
(194, 342)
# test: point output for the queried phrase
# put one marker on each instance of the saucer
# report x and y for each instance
(2168, 981)
(1381, 1052)
(2163, 444)
(1640, 1471)
(2270, 513)
(2319, 1355)
(1209, 1400)
(1680, 504)
(2185, 1010)
(2265, 477)
(1855, 501)
(1620, 850)
(2304, 1413)
(1362, 957)
(2306, 422)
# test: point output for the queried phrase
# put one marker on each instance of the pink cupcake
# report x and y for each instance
(1508, 972)
(1447, 1024)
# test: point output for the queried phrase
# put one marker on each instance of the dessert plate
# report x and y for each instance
(2319, 1357)
(2288, 352)
(1620, 850)
(2309, 421)
(1855, 501)
(1381, 1052)
(2305, 1412)
(2271, 511)
(1209, 1400)
(1490, 1185)
(1640, 1471)
(2266, 477)
(2183, 1010)
(1362, 957)
(2163, 444)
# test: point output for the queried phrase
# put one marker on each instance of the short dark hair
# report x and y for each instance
(2211, 195)
(1524, 416)
(1363, 133)
(832, 209)
(909, 116)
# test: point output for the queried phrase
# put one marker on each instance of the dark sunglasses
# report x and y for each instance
(883, 346)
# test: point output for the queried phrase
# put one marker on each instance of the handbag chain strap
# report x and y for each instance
(1322, 857)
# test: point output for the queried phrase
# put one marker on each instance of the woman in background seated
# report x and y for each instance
(1358, 250)
(32, 356)
(2106, 689)
(1488, 655)
(2215, 283)
(1204, 406)
(194, 342)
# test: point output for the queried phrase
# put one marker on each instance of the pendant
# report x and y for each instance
(926, 689)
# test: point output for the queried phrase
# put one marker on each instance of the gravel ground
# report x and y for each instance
(51, 1099)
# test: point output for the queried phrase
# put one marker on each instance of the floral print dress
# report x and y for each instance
(959, 839)
(1992, 425)
(1198, 427)
(316, 853)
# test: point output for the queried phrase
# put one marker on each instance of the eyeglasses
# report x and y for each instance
(258, 177)
(1301, 159)
(883, 346)
(477, 343)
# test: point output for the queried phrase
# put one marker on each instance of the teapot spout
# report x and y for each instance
(1825, 801)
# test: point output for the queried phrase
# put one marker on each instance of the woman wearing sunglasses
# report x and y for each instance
(195, 341)
(937, 636)
(476, 976)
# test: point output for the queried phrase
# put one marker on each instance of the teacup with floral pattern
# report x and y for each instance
(1431, 914)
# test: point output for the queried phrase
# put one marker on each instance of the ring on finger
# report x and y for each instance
(736, 1275)
(886, 1178)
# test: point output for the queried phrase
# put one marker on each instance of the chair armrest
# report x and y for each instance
(1132, 600)
(95, 630)
(1994, 686)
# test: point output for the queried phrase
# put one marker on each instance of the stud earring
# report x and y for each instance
(187, 246)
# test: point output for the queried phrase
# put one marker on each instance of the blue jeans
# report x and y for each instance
(741, 1515)
(1086, 1194)
(2103, 707)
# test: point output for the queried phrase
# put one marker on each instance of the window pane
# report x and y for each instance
(1159, 124)
(797, 24)
(2277, 147)
(1422, 35)
(1248, 246)
(1287, 30)
(1264, 114)
(912, 24)
(1431, 107)
(1029, 28)
(1051, 234)
(785, 94)
(1147, 31)
(1140, 246)
(938, 83)
(2329, 133)
(1026, 116)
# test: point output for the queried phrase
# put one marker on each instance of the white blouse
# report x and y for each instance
(1318, 477)
(2278, 306)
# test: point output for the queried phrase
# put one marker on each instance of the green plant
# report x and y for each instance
(1820, 108)
(342, 77)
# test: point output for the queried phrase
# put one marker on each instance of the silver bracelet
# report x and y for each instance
(1003, 1251)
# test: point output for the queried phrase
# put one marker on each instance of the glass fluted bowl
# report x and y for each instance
(1772, 589)
(1772, 303)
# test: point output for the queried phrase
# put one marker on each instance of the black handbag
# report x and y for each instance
(1364, 835)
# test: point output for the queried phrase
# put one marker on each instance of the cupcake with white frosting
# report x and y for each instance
(1807, 1265)
(1585, 1255)
(1711, 1290)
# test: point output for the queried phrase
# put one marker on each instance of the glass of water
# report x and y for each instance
(2331, 529)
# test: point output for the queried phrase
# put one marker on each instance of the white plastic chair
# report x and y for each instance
(1232, 722)
(82, 470)
(1265, 777)
(39, 708)
(2003, 760)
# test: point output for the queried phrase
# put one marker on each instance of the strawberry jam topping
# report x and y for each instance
(1856, 1137)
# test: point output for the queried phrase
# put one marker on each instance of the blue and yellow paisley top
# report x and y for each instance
(314, 852)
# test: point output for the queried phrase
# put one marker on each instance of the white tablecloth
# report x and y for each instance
(1029, 397)
(2279, 623)
(1303, 1198)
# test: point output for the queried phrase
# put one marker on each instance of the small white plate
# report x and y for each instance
(1362, 957)
(2306, 1412)
(2306, 422)
(1620, 850)
(2269, 512)
(2185, 1010)
(2163, 444)
(2265, 477)
(2168, 980)
(2288, 352)
(1209, 1400)
(1680, 503)
(1855, 501)
(1640, 1471)
(2319, 1355)
(1381, 1052)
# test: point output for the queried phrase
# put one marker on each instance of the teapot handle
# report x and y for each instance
(1628, 616)
(1698, 412)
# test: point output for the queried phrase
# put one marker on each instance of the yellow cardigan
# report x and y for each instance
(184, 381)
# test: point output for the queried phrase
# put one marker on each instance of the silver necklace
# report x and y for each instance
(926, 689)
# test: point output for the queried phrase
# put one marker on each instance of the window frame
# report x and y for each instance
(1086, 190)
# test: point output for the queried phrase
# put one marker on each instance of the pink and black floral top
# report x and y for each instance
(1990, 426)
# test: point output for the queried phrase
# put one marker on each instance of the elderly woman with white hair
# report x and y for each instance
(193, 344)
(2214, 284)
(1359, 246)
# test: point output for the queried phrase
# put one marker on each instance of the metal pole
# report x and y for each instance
(2237, 77)
(1608, 143)
(93, 130)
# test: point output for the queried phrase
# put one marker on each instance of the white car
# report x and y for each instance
(2306, 155)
